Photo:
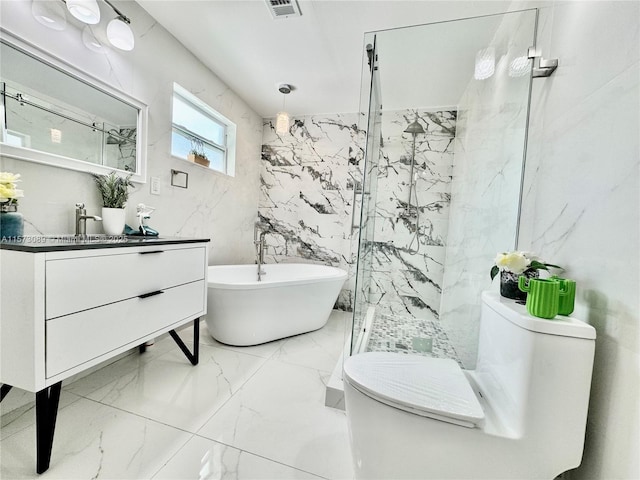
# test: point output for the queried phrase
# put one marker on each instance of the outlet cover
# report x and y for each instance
(155, 185)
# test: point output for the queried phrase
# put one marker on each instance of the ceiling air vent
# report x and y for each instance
(283, 8)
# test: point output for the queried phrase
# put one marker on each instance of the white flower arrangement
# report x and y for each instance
(518, 263)
(9, 193)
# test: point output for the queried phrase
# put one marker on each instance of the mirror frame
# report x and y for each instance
(38, 156)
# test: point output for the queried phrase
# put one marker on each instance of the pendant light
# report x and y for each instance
(87, 11)
(282, 118)
(119, 33)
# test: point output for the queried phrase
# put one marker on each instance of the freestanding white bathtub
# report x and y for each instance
(292, 298)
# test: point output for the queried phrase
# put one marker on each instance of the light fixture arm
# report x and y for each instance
(121, 15)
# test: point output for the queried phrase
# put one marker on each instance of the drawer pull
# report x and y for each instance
(151, 294)
(152, 251)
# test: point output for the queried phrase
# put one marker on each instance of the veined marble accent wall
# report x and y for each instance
(306, 203)
(410, 233)
(487, 172)
(307, 192)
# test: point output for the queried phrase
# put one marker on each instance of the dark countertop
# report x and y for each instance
(56, 243)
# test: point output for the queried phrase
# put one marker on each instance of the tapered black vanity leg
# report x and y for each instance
(4, 389)
(46, 412)
(193, 357)
(142, 348)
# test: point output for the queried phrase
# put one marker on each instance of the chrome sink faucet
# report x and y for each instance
(81, 220)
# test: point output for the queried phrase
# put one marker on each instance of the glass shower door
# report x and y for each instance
(446, 134)
(363, 312)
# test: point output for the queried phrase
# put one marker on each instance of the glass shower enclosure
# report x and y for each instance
(447, 108)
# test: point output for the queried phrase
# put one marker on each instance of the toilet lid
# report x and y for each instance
(431, 387)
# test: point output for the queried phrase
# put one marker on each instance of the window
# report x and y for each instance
(195, 125)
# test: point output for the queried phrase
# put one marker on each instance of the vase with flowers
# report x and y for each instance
(512, 265)
(11, 221)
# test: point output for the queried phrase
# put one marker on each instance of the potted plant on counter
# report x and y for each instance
(511, 265)
(114, 190)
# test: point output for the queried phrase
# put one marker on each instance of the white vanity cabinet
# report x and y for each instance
(63, 310)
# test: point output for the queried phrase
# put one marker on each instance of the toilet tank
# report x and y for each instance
(534, 374)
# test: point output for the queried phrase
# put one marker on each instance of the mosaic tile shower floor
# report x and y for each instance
(410, 335)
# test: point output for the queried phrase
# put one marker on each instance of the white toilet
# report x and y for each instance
(521, 414)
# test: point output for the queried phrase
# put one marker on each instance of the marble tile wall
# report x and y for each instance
(307, 196)
(485, 191)
(307, 192)
(410, 234)
(581, 205)
(214, 206)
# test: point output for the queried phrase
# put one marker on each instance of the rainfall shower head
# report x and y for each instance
(414, 128)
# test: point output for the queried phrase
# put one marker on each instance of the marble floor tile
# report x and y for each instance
(280, 414)
(136, 417)
(264, 350)
(172, 391)
(320, 349)
(24, 415)
(93, 440)
(205, 459)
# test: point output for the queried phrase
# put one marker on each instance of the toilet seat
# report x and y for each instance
(431, 387)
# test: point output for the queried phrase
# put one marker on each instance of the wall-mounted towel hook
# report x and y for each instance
(542, 67)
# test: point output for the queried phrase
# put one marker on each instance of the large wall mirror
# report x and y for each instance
(54, 114)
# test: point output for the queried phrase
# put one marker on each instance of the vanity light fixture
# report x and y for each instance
(485, 63)
(50, 14)
(282, 118)
(87, 11)
(119, 33)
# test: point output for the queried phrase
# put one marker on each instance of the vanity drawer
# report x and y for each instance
(79, 338)
(76, 284)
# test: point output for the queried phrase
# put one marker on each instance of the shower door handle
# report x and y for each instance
(354, 226)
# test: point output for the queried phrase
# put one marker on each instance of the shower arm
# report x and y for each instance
(413, 161)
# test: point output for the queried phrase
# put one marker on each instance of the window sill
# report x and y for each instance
(212, 170)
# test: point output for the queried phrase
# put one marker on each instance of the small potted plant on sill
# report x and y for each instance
(196, 154)
(511, 265)
(114, 190)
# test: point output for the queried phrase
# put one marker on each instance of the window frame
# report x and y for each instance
(229, 129)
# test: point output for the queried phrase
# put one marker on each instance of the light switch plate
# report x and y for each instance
(155, 185)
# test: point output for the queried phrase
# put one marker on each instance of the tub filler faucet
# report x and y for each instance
(258, 240)
(81, 220)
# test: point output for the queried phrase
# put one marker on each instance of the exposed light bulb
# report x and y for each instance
(87, 11)
(120, 35)
(282, 123)
(485, 64)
